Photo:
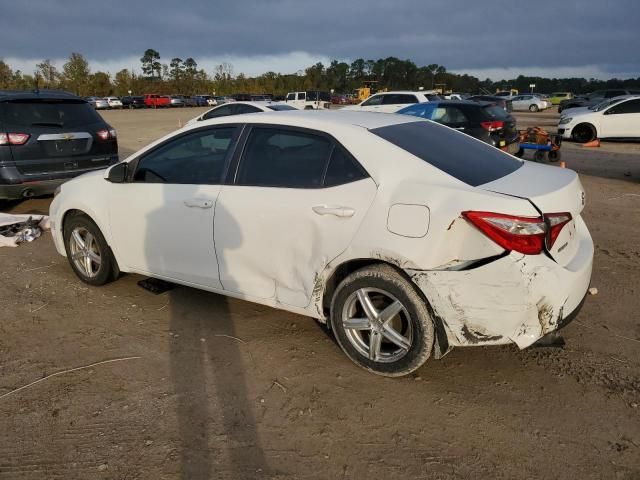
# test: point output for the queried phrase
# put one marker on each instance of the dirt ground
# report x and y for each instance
(215, 388)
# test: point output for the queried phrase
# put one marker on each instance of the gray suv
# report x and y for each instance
(48, 137)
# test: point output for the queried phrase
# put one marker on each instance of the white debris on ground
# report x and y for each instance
(15, 229)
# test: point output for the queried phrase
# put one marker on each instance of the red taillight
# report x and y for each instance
(14, 138)
(105, 135)
(556, 222)
(492, 126)
(522, 234)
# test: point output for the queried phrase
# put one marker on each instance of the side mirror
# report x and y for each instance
(118, 173)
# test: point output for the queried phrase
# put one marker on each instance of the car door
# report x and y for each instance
(395, 101)
(621, 120)
(373, 103)
(162, 218)
(296, 202)
(520, 103)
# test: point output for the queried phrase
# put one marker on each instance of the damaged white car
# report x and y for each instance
(406, 237)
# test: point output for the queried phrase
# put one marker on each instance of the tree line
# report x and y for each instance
(184, 76)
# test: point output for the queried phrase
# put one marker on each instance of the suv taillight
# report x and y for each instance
(14, 138)
(492, 126)
(106, 135)
(522, 234)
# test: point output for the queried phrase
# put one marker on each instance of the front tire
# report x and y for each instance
(88, 252)
(381, 322)
(583, 133)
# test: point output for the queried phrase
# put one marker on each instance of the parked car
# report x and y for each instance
(114, 103)
(48, 137)
(557, 97)
(189, 101)
(485, 121)
(617, 117)
(176, 101)
(530, 102)
(340, 99)
(394, 230)
(202, 100)
(98, 103)
(502, 102)
(391, 102)
(594, 98)
(310, 100)
(238, 108)
(261, 98)
(222, 100)
(133, 102)
(153, 100)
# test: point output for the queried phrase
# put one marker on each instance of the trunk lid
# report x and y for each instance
(550, 190)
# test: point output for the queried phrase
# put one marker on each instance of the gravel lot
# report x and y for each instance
(225, 389)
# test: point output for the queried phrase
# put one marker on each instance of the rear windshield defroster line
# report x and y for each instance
(463, 157)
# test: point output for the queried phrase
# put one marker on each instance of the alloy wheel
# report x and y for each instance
(85, 252)
(377, 325)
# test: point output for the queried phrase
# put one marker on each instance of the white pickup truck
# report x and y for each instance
(310, 100)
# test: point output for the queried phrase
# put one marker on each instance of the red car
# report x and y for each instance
(154, 100)
(340, 100)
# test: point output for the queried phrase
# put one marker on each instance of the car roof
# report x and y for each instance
(317, 119)
(7, 95)
(455, 103)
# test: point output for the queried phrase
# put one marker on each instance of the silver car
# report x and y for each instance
(98, 103)
(177, 101)
(529, 102)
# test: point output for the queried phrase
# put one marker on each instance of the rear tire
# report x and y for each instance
(583, 133)
(88, 252)
(381, 322)
(533, 108)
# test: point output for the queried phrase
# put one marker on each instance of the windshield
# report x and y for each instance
(55, 113)
(459, 155)
(607, 103)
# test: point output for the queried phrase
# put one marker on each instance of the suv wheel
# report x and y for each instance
(381, 322)
(88, 252)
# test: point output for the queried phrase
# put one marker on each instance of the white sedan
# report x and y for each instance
(238, 108)
(114, 102)
(618, 117)
(531, 103)
(406, 237)
(391, 102)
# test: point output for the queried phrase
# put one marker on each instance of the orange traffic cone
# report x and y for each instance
(592, 143)
(563, 165)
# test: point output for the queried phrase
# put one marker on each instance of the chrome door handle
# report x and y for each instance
(198, 203)
(458, 128)
(333, 210)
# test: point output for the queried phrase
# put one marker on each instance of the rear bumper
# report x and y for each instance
(30, 189)
(514, 299)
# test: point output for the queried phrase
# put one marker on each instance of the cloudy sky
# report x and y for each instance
(490, 38)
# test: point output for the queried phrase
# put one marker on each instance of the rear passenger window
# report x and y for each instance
(342, 169)
(284, 158)
(397, 99)
(449, 115)
(240, 109)
(375, 100)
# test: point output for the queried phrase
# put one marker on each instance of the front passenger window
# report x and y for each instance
(196, 158)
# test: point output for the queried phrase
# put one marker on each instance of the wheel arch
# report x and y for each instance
(342, 270)
(590, 125)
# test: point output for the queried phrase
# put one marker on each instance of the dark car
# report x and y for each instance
(594, 98)
(133, 102)
(485, 121)
(502, 102)
(48, 137)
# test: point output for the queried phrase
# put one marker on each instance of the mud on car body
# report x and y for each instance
(406, 237)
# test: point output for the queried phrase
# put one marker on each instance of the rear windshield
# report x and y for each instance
(48, 113)
(279, 108)
(461, 156)
(495, 111)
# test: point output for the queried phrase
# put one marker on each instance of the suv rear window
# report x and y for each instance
(48, 113)
(494, 111)
(461, 156)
